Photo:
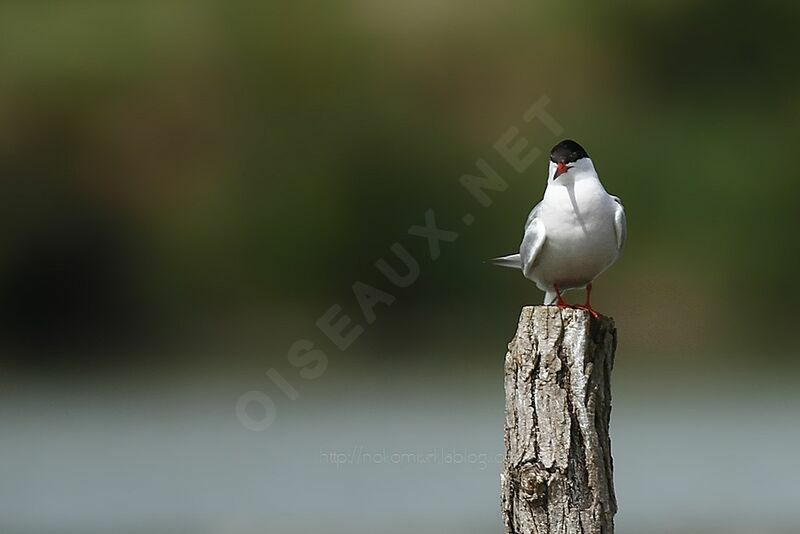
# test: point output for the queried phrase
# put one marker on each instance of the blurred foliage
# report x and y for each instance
(210, 159)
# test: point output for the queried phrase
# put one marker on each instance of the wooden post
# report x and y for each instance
(558, 473)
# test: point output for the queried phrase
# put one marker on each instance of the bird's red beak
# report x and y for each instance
(561, 169)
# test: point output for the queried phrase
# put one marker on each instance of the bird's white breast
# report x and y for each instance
(581, 241)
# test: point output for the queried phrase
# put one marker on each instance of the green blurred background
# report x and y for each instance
(190, 185)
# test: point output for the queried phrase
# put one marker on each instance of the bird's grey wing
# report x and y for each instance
(532, 240)
(620, 224)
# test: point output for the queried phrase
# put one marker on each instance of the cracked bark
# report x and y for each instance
(558, 472)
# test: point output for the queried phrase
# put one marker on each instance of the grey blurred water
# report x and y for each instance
(383, 454)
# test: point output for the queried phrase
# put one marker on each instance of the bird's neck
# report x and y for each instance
(584, 180)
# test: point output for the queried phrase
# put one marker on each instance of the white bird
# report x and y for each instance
(574, 234)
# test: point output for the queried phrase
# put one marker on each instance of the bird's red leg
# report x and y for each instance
(588, 305)
(561, 303)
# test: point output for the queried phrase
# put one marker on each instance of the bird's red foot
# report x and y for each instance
(588, 308)
(560, 302)
(588, 305)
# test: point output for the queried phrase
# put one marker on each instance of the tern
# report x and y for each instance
(575, 233)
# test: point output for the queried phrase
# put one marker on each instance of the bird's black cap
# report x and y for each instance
(567, 151)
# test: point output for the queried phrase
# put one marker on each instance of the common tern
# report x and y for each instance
(574, 234)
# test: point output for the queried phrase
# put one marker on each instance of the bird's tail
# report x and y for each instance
(512, 261)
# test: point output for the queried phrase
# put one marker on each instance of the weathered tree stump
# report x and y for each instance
(558, 472)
